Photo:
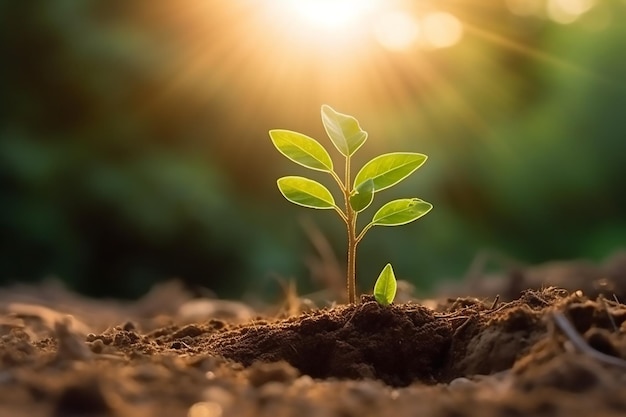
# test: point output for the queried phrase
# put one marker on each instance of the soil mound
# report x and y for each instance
(402, 344)
(396, 344)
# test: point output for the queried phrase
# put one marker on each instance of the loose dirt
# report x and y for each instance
(546, 352)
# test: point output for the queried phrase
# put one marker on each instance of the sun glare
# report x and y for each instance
(567, 11)
(344, 24)
(273, 59)
(396, 31)
(327, 15)
(330, 14)
(442, 30)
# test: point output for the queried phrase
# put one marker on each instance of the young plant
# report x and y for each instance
(380, 173)
(386, 286)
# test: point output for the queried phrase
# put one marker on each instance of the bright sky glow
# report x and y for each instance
(350, 25)
(330, 15)
(285, 55)
(396, 31)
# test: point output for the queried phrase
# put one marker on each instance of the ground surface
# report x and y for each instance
(540, 352)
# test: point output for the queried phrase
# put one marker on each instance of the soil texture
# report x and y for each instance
(546, 352)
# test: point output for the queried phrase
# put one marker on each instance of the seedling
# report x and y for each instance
(386, 286)
(380, 173)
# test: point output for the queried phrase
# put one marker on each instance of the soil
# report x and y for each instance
(546, 352)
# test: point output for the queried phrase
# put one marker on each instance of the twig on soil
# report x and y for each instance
(456, 313)
(608, 313)
(579, 343)
(495, 302)
(462, 326)
(460, 317)
(538, 298)
(461, 313)
(352, 316)
(184, 344)
(502, 307)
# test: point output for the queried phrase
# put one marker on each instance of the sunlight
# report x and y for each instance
(265, 63)
(567, 11)
(348, 27)
(526, 7)
(396, 31)
(329, 15)
(442, 30)
(286, 54)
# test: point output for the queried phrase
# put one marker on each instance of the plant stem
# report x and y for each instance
(351, 223)
(340, 213)
(362, 234)
(351, 256)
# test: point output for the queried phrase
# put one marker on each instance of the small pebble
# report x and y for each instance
(460, 382)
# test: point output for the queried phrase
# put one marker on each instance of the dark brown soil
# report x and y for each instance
(397, 344)
(548, 352)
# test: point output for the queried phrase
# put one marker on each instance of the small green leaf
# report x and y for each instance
(363, 196)
(302, 149)
(305, 192)
(399, 212)
(386, 286)
(343, 130)
(389, 169)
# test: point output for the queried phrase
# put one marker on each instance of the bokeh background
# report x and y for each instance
(134, 146)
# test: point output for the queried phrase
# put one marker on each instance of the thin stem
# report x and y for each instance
(341, 214)
(351, 223)
(343, 190)
(338, 180)
(351, 274)
(362, 234)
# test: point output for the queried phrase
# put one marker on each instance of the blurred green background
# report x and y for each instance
(134, 146)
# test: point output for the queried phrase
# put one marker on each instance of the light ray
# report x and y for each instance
(268, 65)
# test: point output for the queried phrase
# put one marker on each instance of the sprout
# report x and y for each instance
(380, 173)
(386, 286)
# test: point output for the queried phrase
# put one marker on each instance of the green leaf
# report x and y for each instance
(344, 131)
(386, 286)
(302, 149)
(363, 196)
(305, 192)
(389, 169)
(399, 212)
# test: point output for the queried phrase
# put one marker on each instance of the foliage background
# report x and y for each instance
(134, 147)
